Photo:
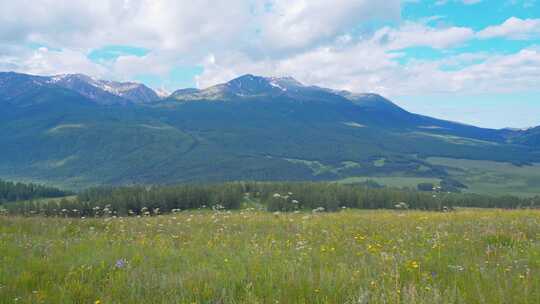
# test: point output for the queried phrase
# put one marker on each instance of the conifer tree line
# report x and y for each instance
(11, 191)
(285, 197)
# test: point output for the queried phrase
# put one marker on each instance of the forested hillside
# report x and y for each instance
(10, 191)
(251, 128)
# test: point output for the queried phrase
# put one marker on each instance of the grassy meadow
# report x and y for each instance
(247, 256)
(392, 181)
(493, 178)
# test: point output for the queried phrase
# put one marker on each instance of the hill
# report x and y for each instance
(251, 128)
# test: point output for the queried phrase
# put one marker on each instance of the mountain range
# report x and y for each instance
(78, 131)
(101, 91)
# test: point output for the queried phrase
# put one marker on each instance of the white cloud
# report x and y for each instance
(513, 28)
(415, 34)
(301, 23)
(43, 61)
(167, 24)
(174, 31)
(185, 25)
(469, 2)
(504, 73)
(466, 2)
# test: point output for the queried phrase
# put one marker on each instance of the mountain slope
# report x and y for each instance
(529, 137)
(249, 128)
(99, 91)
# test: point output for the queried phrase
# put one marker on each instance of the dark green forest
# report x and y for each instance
(11, 191)
(285, 197)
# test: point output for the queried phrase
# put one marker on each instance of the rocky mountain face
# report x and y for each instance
(100, 91)
(256, 87)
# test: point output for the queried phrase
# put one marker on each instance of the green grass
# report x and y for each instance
(315, 166)
(379, 162)
(393, 181)
(459, 140)
(469, 256)
(319, 168)
(489, 177)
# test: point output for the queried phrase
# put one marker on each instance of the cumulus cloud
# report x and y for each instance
(185, 25)
(43, 61)
(176, 31)
(301, 23)
(513, 28)
(504, 73)
(417, 34)
(167, 24)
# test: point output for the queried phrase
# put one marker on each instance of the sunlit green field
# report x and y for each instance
(392, 181)
(468, 256)
(494, 178)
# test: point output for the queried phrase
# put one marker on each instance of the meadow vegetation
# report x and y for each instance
(253, 242)
(491, 177)
(249, 256)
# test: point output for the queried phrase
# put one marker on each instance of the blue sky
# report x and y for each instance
(523, 106)
(473, 61)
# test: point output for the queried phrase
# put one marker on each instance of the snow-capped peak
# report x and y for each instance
(284, 83)
(100, 89)
(162, 93)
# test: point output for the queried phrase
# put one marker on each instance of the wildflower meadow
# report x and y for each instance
(250, 256)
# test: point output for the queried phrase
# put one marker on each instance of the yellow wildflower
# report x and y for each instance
(414, 264)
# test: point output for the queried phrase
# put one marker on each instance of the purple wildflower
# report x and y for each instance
(121, 263)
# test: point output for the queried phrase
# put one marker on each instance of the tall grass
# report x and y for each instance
(468, 256)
